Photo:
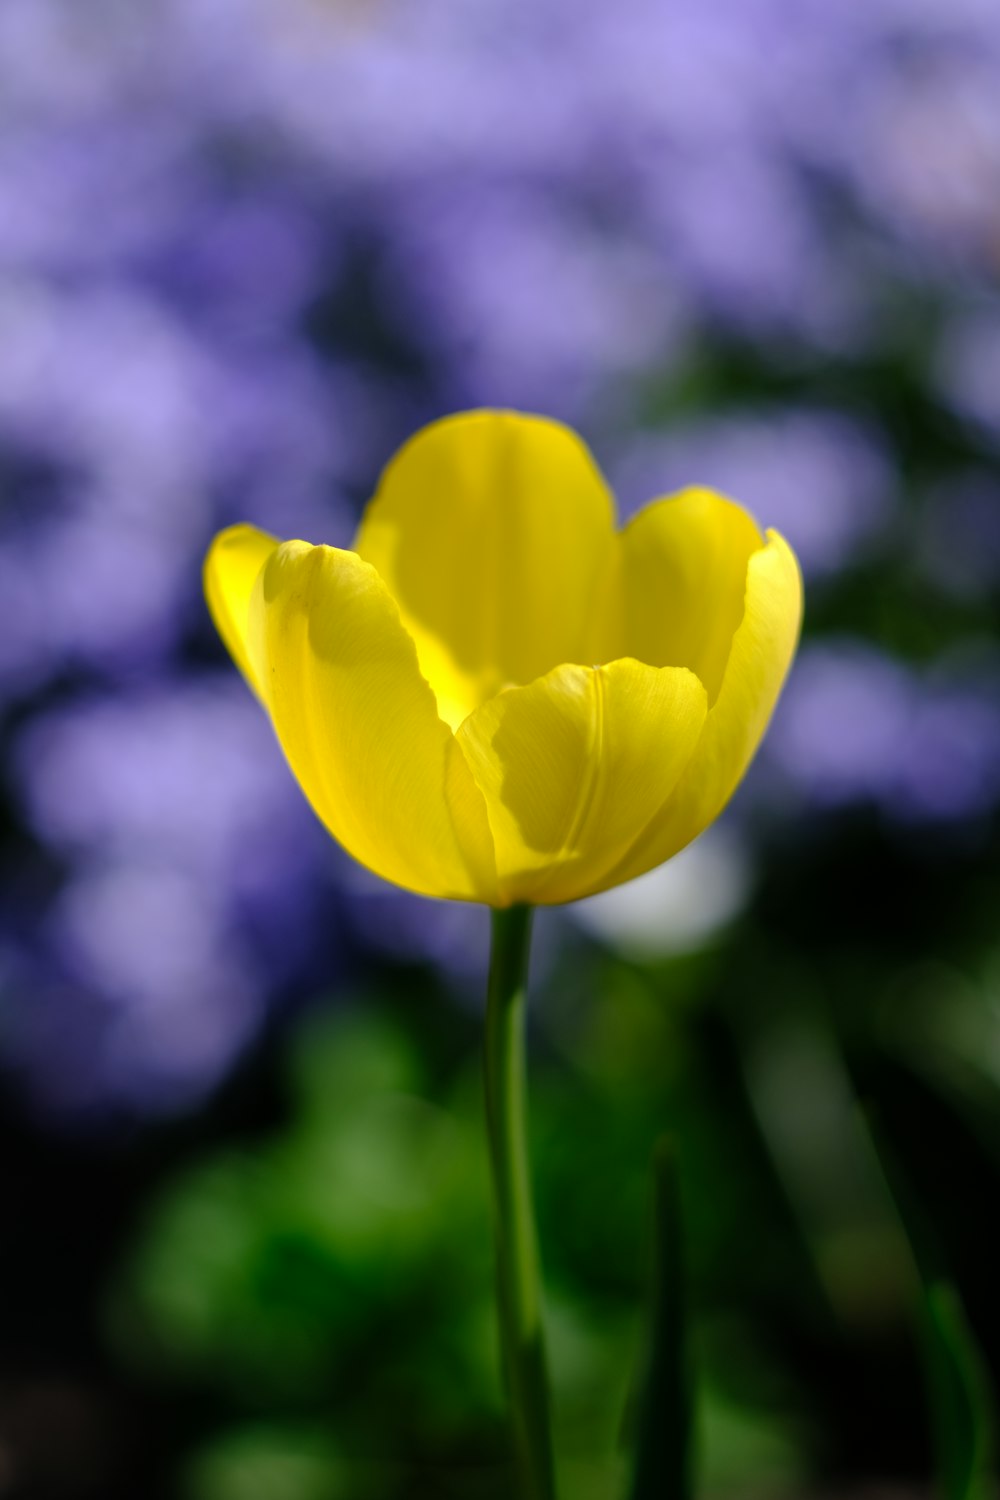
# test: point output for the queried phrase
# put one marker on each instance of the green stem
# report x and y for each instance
(519, 1288)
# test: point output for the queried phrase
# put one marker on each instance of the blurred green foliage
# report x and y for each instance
(962, 1407)
(302, 1304)
(324, 1291)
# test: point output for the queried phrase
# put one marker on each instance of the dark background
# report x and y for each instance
(246, 247)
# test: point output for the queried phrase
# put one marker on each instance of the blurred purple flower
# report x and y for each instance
(550, 204)
(186, 773)
(968, 368)
(183, 995)
(855, 726)
(842, 729)
(195, 880)
(821, 479)
(574, 307)
(199, 888)
(931, 116)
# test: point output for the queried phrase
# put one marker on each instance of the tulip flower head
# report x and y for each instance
(496, 696)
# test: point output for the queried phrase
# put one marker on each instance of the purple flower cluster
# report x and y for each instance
(189, 857)
(854, 726)
(823, 481)
(246, 245)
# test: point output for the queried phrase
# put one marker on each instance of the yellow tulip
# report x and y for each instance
(497, 696)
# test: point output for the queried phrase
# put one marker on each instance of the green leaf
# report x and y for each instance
(960, 1398)
(663, 1467)
(959, 1391)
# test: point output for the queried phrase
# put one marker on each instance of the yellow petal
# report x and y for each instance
(360, 727)
(234, 560)
(491, 530)
(573, 768)
(761, 655)
(681, 578)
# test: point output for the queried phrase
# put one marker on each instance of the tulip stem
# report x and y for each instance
(518, 1280)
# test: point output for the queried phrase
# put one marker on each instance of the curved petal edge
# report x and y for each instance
(232, 564)
(359, 725)
(574, 766)
(762, 652)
